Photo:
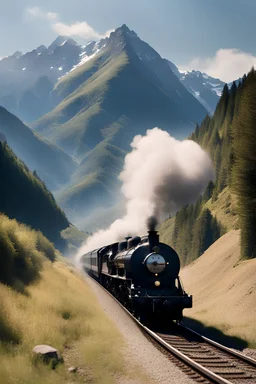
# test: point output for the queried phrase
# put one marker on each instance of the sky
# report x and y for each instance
(214, 36)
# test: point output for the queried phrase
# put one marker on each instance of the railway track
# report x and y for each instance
(217, 363)
(201, 358)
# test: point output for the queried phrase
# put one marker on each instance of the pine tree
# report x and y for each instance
(208, 191)
(244, 169)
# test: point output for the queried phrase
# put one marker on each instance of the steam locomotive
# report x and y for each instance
(143, 274)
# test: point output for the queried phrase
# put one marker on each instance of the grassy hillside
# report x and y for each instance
(52, 164)
(67, 123)
(223, 209)
(224, 289)
(74, 238)
(56, 308)
(102, 217)
(24, 197)
(95, 182)
(22, 252)
(165, 230)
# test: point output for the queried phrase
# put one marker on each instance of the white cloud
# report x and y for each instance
(226, 64)
(78, 28)
(81, 29)
(37, 12)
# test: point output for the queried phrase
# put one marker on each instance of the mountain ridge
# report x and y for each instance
(51, 163)
(117, 65)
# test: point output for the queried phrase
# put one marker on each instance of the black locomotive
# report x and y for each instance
(141, 273)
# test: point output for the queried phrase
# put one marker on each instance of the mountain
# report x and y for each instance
(98, 97)
(205, 88)
(27, 80)
(51, 163)
(24, 197)
(94, 185)
(123, 88)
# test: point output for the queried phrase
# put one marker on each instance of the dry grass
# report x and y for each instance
(22, 251)
(60, 310)
(166, 230)
(224, 289)
(224, 209)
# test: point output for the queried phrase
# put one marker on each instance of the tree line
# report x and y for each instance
(230, 139)
(23, 196)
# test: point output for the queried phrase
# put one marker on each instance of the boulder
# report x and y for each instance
(72, 369)
(47, 354)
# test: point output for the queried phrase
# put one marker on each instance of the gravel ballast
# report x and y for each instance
(138, 350)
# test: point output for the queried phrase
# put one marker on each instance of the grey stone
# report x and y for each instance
(48, 354)
(72, 369)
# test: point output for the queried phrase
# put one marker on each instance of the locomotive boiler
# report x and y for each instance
(143, 274)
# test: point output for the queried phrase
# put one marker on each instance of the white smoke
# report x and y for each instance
(160, 175)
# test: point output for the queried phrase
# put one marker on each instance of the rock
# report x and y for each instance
(47, 354)
(72, 369)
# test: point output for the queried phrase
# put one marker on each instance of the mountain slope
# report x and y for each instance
(94, 184)
(224, 289)
(231, 128)
(27, 80)
(122, 90)
(205, 88)
(52, 164)
(24, 197)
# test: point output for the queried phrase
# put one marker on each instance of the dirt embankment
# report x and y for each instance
(224, 289)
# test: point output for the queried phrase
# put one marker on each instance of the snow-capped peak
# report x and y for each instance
(205, 88)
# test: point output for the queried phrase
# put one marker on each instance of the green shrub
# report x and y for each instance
(45, 246)
(22, 251)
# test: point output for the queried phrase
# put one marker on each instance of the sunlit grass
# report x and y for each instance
(22, 251)
(59, 310)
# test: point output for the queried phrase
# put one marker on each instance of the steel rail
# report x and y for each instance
(181, 356)
(238, 354)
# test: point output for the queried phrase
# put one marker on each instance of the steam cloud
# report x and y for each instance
(160, 175)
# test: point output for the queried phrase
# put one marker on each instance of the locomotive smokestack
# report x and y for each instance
(153, 239)
(152, 223)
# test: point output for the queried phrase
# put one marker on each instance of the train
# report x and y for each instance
(143, 274)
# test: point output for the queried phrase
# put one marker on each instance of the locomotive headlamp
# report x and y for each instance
(157, 283)
(155, 263)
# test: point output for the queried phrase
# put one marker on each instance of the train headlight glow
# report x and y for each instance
(157, 283)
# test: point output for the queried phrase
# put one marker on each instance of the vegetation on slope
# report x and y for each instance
(52, 164)
(22, 251)
(194, 231)
(244, 168)
(23, 196)
(57, 309)
(95, 182)
(222, 216)
(74, 238)
(75, 115)
(229, 137)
